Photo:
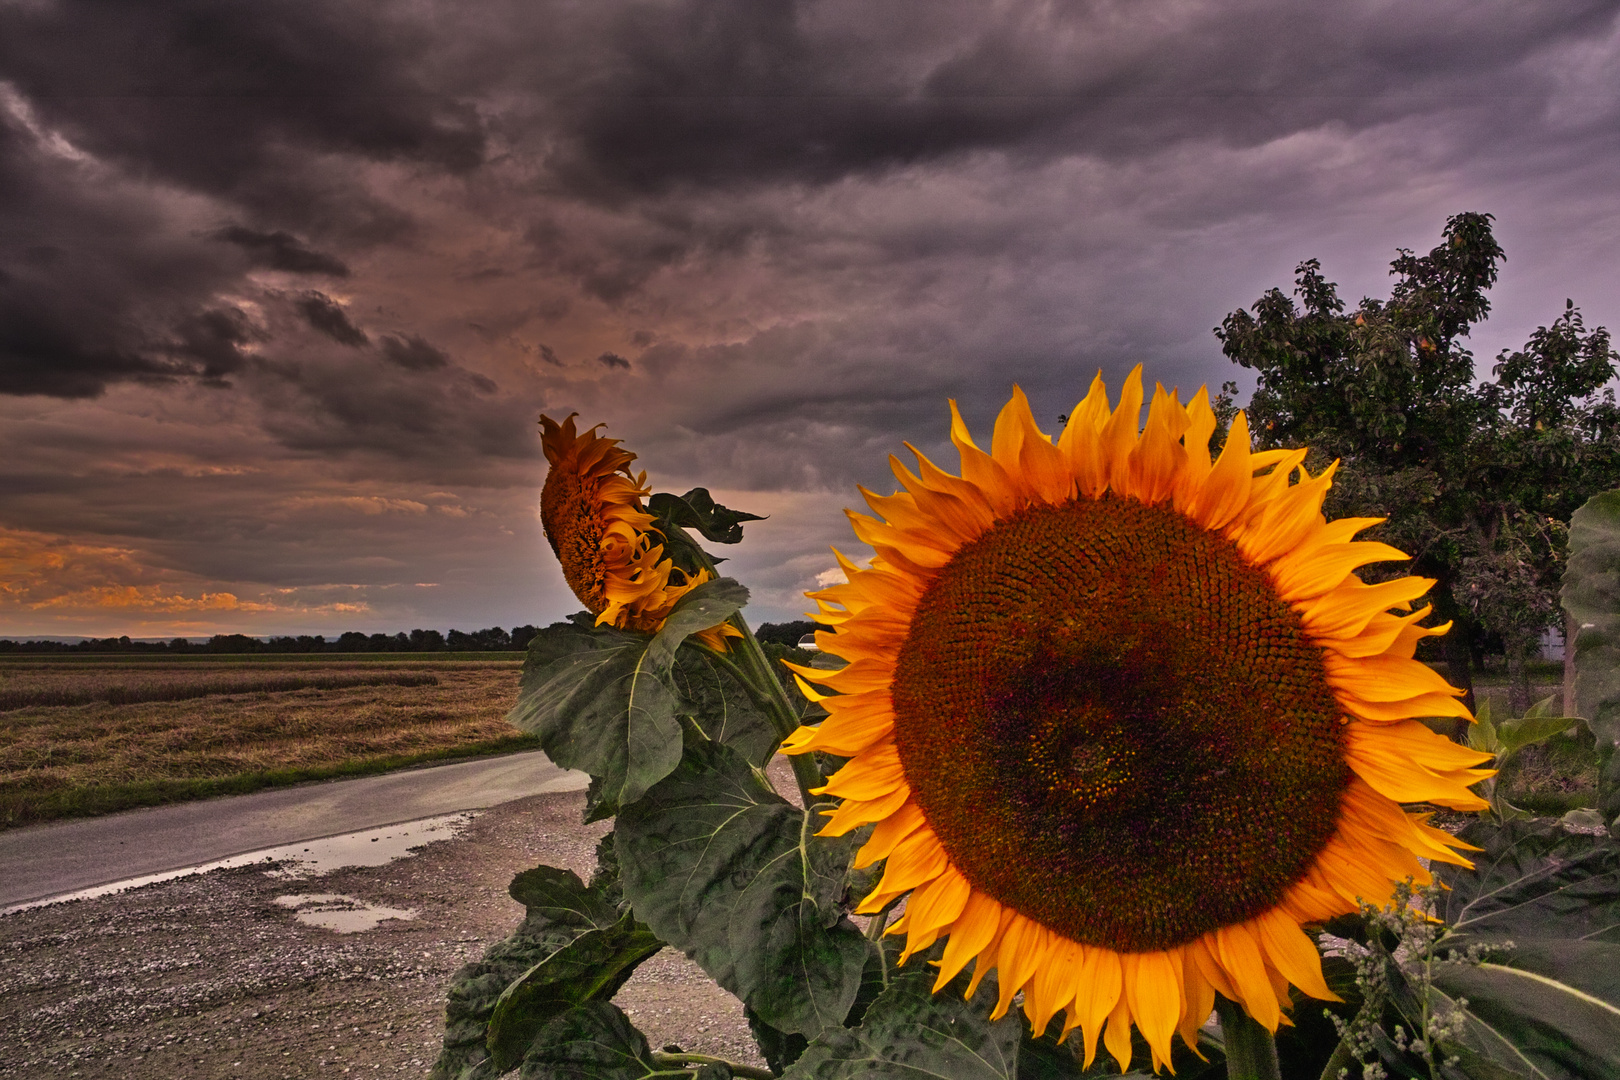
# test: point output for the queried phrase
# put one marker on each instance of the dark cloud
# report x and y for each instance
(217, 339)
(549, 355)
(721, 94)
(447, 418)
(613, 360)
(281, 251)
(92, 288)
(413, 353)
(327, 315)
(208, 95)
(43, 355)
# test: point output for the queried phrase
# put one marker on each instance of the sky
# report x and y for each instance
(285, 285)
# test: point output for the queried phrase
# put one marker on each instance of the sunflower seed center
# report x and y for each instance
(1116, 726)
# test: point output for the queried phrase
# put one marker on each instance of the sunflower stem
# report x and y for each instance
(682, 1060)
(880, 921)
(1251, 1050)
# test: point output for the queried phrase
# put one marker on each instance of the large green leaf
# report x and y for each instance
(611, 707)
(722, 709)
(911, 1033)
(1551, 1010)
(592, 1042)
(1534, 880)
(1537, 725)
(560, 909)
(559, 896)
(592, 967)
(1591, 594)
(723, 868)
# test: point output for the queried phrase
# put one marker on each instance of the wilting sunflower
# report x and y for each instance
(1126, 718)
(610, 554)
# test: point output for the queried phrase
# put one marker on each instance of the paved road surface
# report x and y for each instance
(48, 860)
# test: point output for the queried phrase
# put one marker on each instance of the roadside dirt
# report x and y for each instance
(208, 977)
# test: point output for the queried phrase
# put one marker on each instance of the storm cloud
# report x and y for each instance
(297, 253)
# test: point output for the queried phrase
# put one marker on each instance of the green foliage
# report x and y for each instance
(695, 510)
(698, 510)
(485, 1018)
(1516, 973)
(592, 967)
(909, 1033)
(1475, 480)
(1506, 737)
(1591, 594)
(610, 706)
(1533, 878)
(726, 870)
(592, 1042)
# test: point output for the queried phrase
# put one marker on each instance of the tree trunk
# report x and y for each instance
(1518, 680)
(1459, 671)
(1570, 630)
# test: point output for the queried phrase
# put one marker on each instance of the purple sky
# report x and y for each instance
(284, 285)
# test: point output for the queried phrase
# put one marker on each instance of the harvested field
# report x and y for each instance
(157, 732)
(114, 689)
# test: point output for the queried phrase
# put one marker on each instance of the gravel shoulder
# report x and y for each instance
(209, 976)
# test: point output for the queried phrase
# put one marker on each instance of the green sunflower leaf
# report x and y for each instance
(1533, 880)
(722, 709)
(1537, 725)
(1591, 594)
(1551, 1009)
(592, 967)
(560, 910)
(698, 510)
(726, 870)
(562, 638)
(610, 707)
(594, 1041)
(912, 1033)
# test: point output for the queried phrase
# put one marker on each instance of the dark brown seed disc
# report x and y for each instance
(572, 525)
(1116, 727)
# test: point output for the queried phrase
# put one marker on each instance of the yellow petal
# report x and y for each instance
(1028, 456)
(1080, 442)
(975, 929)
(1119, 435)
(1101, 987)
(1153, 988)
(1117, 1037)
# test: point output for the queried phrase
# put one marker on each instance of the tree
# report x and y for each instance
(1476, 480)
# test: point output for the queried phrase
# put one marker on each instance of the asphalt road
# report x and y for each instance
(49, 860)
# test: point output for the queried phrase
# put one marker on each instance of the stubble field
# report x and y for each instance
(86, 735)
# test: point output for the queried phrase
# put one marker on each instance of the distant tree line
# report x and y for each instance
(787, 633)
(494, 639)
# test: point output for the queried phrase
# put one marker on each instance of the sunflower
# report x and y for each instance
(1125, 718)
(593, 517)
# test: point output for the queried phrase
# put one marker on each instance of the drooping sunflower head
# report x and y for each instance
(611, 556)
(1125, 717)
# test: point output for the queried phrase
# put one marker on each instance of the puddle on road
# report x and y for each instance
(374, 847)
(305, 859)
(342, 914)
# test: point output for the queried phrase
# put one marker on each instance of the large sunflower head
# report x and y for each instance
(1125, 717)
(611, 556)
